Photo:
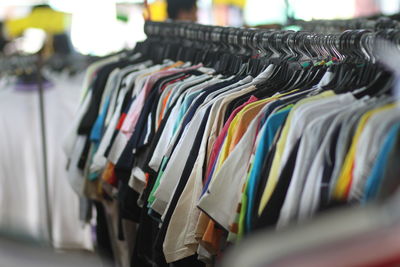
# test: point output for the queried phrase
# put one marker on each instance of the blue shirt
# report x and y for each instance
(184, 108)
(97, 130)
(273, 123)
(375, 178)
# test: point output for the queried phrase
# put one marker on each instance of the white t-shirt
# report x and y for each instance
(312, 189)
(180, 240)
(167, 137)
(302, 125)
(224, 192)
(368, 147)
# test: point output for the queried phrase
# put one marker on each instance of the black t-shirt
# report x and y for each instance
(261, 183)
(128, 198)
(270, 215)
(99, 85)
(329, 164)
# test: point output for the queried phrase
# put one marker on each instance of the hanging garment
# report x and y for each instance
(202, 147)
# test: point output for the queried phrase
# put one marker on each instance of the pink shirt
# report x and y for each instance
(134, 112)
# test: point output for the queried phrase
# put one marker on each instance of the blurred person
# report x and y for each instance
(366, 8)
(3, 39)
(185, 10)
(54, 23)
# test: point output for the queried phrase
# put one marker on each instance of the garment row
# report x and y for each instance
(198, 159)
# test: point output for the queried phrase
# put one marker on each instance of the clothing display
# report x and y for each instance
(203, 135)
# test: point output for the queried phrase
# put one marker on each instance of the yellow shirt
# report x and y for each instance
(237, 128)
(345, 177)
(238, 3)
(158, 10)
(228, 145)
(276, 163)
(239, 125)
(47, 19)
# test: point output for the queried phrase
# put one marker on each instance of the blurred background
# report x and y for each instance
(102, 27)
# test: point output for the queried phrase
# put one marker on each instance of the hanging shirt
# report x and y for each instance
(134, 112)
(346, 133)
(374, 180)
(267, 134)
(113, 113)
(318, 131)
(250, 115)
(175, 139)
(343, 184)
(374, 133)
(178, 243)
(180, 153)
(310, 142)
(314, 183)
(167, 135)
(281, 146)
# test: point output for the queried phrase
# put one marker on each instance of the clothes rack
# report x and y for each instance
(203, 135)
(43, 128)
(33, 65)
(279, 44)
